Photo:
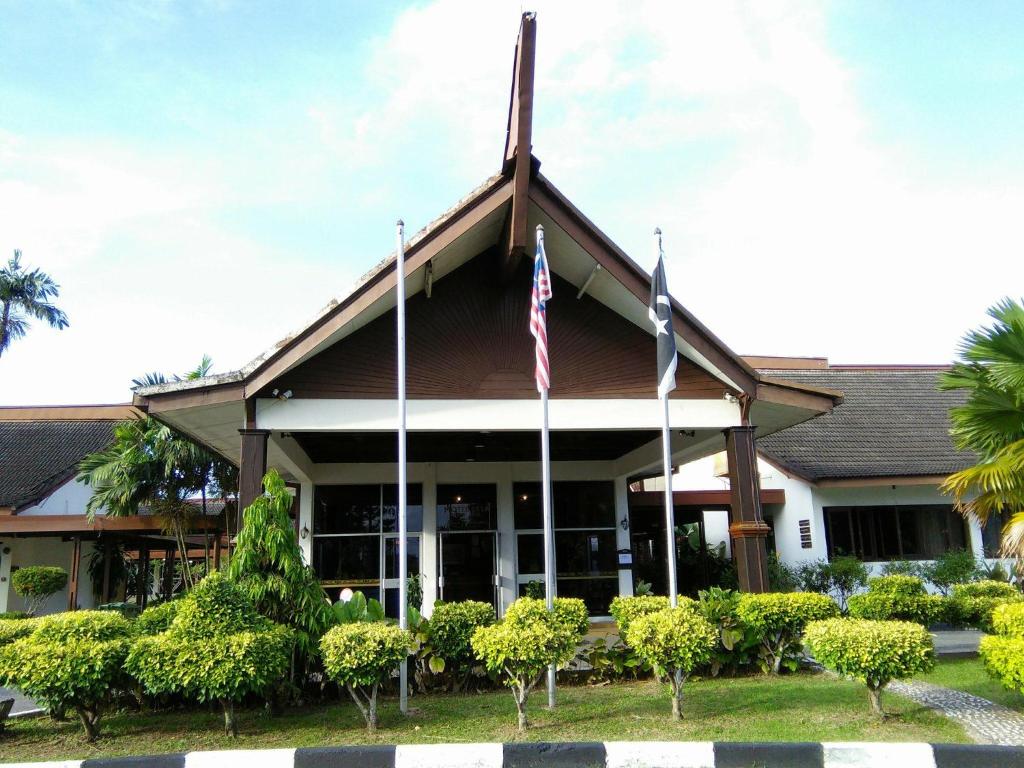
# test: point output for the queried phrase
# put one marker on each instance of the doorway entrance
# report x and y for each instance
(467, 522)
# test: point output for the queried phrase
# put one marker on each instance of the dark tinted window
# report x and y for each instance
(467, 507)
(346, 509)
(584, 504)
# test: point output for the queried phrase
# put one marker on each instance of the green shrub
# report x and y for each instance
(357, 608)
(901, 568)
(569, 612)
(626, 609)
(839, 578)
(737, 643)
(779, 618)
(36, 583)
(521, 647)
(217, 648)
(781, 577)
(972, 604)
(673, 641)
(1003, 656)
(874, 652)
(451, 628)
(1008, 619)
(15, 629)
(897, 598)
(12, 615)
(360, 656)
(157, 618)
(957, 566)
(70, 661)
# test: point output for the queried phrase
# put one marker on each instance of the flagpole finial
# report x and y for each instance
(399, 223)
(657, 231)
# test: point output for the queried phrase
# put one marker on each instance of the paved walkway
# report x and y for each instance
(22, 705)
(984, 721)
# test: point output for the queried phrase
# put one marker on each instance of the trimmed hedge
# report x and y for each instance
(36, 583)
(362, 655)
(897, 598)
(217, 648)
(1008, 620)
(157, 618)
(972, 604)
(521, 647)
(15, 629)
(452, 626)
(779, 618)
(673, 641)
(70, 661)
(874, 652)
(627, 609)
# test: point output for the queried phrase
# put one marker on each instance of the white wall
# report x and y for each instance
(44, 551)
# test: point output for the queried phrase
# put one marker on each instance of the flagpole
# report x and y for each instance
(403, 543)
(666, 456)
(545, 460)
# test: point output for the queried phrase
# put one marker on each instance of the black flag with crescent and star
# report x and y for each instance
(660, 312)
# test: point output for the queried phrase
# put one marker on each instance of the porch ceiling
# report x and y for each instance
(381, 447)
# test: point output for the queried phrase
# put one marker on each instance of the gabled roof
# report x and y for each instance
(893, 422)
(40, 447)
(498, 213)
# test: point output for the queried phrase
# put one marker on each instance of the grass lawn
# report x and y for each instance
(969, 675)
(801, 707)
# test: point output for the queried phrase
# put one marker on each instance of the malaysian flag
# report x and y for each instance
(538, 313)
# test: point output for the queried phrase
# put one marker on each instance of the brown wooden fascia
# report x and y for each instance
(518, 162)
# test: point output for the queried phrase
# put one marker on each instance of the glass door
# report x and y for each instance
(468, 566)
(391, 581)
(467, 523)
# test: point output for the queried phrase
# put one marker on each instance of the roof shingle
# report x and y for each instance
(892, 422)
(36, 456)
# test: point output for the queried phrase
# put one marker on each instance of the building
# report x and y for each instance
(864, 479)
(42, 508)
(320, 405)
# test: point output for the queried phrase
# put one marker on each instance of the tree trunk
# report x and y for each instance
(90, 721)
(677, 695)
(371, 720)
(230, 726)
(3, 325)
(521, 692)
(875, 697)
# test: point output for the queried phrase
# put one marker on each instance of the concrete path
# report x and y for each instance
(22, 705)
(956, 642)
(984, 721)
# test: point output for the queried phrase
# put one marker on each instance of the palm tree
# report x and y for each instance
(991, 423)
(23, 295)
(150, 464)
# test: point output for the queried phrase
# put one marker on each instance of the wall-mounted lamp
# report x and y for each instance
(304, 533)
(624, 522)
(286, 395)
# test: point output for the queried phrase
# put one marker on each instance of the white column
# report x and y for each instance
(506, 538)
(622, 540)
(428, 552)
(977, 542)
(306, 520)
(5, 572)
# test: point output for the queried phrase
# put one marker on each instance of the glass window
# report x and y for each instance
(586, 504)
(467, 507)
(412, 556)
(596, 593)
(413, 508)
(910, 532)
(351, 561)
(530, 553)
(585, 553)
(346, 509)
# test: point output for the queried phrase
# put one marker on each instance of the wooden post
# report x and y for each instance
(142, 577)
(216, 551)
(746, 525)
(76, 560)
(253, 468)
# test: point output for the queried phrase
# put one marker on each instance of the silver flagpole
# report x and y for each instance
(666, 455)
(403, 544)
(549, 559)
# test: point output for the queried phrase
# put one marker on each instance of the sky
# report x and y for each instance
(841, 179)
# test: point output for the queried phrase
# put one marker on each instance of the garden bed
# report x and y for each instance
(800, 707)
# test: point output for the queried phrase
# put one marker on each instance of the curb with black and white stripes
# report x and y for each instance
(611, 754)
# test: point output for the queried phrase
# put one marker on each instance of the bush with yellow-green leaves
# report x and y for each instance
(362, 655)
(673, 641)
(216, 648)
(972, 604)
(36, 583)
(15, 629)
(69, 661)
(626, 609)
(451, 627)
(873, 652)
(521, 647)
(1003, 652)
(779, 619)
(156, 618)
(897, 598)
